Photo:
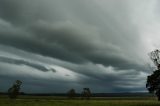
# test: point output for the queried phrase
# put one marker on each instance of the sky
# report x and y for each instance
(56, 45)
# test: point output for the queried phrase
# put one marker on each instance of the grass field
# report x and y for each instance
(62, 101)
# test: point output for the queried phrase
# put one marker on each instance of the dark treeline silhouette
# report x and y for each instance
(86, 93)
(153, 80)
(71, 94)
(79, 95)
(14, 91)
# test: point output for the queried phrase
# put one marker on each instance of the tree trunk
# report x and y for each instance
(158, 97)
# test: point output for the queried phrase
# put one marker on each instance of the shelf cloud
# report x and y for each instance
(77, 43)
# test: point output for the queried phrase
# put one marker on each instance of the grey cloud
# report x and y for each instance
(106, 78)
(22, 62)
(68, 42)
(19, 38)
(71, 39)
(86, 37)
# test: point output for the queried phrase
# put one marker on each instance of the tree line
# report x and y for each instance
(14, 91)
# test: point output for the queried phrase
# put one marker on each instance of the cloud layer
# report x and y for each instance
(74, 44)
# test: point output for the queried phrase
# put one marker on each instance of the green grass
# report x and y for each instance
(62, 101)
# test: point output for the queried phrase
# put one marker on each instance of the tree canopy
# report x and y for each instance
(14, 90)
(153, 80)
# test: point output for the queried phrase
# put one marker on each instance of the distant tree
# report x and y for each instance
(86, 93)
(71, 93)
(14, 90)
(153, 80)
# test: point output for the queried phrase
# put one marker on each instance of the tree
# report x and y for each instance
(14, 90)
(86, 93)
(71, 93)
(153, 80)
(155, 57)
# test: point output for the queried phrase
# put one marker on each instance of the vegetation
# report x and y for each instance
(153, 80)
(71, 94)
(14, 90)
(86, 93)
(64, 101)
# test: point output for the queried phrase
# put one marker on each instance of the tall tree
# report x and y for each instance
(86, 93)
(14, 90)
(153, 80)
(71, 93)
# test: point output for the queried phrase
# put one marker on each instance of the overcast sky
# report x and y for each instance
(56, 45)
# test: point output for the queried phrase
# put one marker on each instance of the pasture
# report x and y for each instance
(63, 101)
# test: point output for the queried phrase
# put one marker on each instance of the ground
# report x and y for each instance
(62, 101)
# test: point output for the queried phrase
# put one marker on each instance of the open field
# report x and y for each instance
(63, 101)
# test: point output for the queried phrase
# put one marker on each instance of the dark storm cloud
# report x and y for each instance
(84, 75)
(69, 41)
(21, 12)
(98, 42)
(22, 62)
(19, 38)
(65, 41)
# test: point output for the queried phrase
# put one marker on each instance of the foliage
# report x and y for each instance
(71, 93)
(86, 93)
(14, 90)
(153, 81)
